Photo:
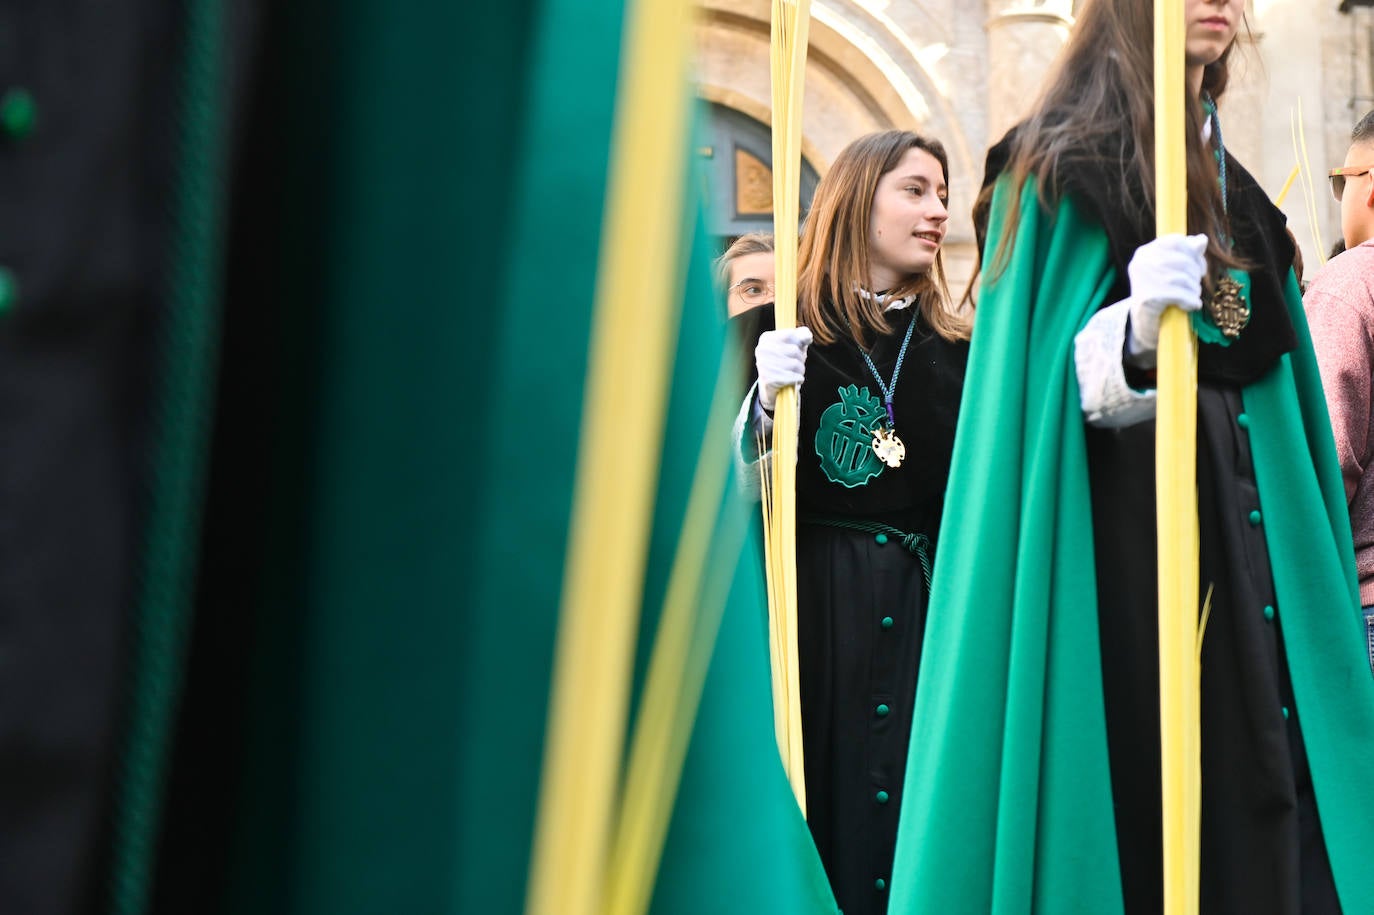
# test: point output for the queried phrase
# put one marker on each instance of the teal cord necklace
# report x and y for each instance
(1228, 310)
(886, 444)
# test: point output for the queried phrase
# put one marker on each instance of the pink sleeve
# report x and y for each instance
(1341, 335)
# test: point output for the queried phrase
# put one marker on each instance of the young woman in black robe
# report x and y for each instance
(880, 358)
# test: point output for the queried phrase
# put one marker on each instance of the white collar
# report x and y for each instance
(888, 304)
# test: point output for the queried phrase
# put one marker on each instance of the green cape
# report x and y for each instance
(1008, 804)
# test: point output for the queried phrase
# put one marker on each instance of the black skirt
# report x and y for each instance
(1262, 848)
(861, 621)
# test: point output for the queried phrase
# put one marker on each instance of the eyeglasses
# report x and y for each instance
(752, 292)
(1338, 176)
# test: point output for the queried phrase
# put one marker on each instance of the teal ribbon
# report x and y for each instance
(1203, 325)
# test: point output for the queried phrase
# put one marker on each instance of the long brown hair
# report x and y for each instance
(1100, 103)
(832, 260)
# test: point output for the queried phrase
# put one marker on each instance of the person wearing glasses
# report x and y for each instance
(745, 271)
(880, 358)
(1352, 184)
(1340, 309)
(1039, 782)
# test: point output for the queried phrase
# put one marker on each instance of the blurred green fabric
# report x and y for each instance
(445, 169)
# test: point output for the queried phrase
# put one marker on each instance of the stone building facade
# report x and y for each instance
(965, 70)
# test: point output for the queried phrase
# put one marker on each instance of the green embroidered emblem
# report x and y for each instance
(844, 441)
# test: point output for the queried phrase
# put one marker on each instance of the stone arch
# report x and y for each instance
(863, 74)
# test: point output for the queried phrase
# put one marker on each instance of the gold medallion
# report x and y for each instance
(888, 447)
(1228, 309)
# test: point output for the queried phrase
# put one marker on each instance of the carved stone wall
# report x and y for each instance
(1023, 39)
(963, 71)
(1304, 57)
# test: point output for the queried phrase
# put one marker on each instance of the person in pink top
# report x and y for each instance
(1340, 312)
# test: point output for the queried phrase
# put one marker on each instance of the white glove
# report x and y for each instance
(1167, 271)
(781, 360)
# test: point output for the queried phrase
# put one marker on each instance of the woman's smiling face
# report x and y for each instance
(908, 220)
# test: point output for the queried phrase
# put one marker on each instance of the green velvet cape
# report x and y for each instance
(1007, 806)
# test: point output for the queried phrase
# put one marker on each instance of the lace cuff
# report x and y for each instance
(1108, 401)
(750, 423)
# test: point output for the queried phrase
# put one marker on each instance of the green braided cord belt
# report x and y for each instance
(161, 630)
(918, 545)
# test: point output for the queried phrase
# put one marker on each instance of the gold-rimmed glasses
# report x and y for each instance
(753, 292)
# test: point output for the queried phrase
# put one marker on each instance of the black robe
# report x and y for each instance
(101, 256)
(862, 595)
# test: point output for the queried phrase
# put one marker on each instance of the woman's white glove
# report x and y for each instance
(781, 360)
(1167, 271)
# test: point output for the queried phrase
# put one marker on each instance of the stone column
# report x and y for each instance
(1024, 36)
